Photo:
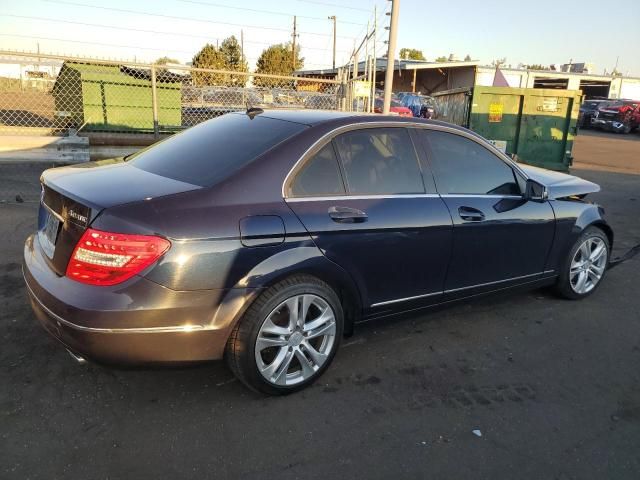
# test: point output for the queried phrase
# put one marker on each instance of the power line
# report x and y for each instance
(32, 37)
(142, 30)
(175, 17)
(336, 5)
(270, 12)
(101, 44)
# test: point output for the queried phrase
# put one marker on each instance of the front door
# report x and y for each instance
(363, 200)
(499, 238)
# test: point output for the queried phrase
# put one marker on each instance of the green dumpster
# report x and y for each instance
(113, 98)
(535, 126)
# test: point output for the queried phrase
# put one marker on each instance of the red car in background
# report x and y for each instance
(396, 108)
(620, 116)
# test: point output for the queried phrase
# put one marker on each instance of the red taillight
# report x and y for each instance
(105, 258)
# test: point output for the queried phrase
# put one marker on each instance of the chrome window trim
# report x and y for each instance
(480, 195)
(360, 197)
(522, 277)
(399, 195)
(390, 123)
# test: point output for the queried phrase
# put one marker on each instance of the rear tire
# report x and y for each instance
(288, 336)
(586, 264)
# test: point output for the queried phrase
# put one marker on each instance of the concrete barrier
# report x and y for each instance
(49, 149)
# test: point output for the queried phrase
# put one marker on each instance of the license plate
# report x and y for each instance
(48, 234)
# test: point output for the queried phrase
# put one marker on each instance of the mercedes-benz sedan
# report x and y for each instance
(263, 237)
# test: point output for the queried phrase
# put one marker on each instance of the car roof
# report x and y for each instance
(306, 117)
(337, 119)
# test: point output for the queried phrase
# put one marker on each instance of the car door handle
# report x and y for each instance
(347, 215)
(470, 214)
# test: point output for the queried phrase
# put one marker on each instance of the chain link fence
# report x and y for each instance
(50, 95)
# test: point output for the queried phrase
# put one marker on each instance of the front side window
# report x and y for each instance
(462, 166)
(320, 175)
(379, 161)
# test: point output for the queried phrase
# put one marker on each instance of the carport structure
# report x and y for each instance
(413, 75)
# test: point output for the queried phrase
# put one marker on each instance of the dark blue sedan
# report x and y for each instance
(263, 237)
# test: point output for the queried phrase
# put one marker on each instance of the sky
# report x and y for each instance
(534, 32)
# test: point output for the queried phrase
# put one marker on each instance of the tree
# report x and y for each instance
(234, 60)
(467, 58)
(499, 61)
(276, 60)
(441, 59)
(209, 57)
(165, 60)
(411, 54)
(536, 66)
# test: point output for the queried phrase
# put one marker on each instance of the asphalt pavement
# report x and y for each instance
(523, 386)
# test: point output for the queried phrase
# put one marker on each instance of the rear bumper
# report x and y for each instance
(136, 322)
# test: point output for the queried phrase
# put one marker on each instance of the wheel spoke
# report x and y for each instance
(593, 276)
(317, 357)
(307, 368)
(306, 303)
(293, 304)
(273, 329)
(266, 342)
(281, 375)
(325, 317)
(585, 250)
(328, 328)
(582, 280)
(597, 253)
(270, 370)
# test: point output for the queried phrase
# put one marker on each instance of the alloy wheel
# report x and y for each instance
(588, 265)
(295, 340)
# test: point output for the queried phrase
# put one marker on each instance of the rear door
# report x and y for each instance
(363, 199)
(499, 238)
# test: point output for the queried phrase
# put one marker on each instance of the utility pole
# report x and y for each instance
(375, 59)
(333, 17)
(293, 45)
(393, 33)
(241, 47)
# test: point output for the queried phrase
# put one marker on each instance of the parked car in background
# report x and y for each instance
(262, 237)
(396, 108)
(587, 110)
(636, 119)
(617, 116)
(421, 106)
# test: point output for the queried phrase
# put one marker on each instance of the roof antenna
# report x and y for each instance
(253, 111)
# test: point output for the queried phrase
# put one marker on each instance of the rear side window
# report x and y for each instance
(319, 176)
(379, 161)
(209, 152)
(462, 166)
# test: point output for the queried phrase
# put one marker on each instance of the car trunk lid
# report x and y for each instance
(72, 197)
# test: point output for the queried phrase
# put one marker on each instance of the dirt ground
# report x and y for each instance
(602, 151)
(553, 386)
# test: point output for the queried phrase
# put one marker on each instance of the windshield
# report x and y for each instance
(209, 152)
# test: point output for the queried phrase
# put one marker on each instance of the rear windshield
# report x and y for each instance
(209, 152)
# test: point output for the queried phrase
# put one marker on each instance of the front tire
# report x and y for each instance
(288, 336)
(585, 266)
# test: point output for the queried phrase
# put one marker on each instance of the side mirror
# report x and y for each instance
(535, 192)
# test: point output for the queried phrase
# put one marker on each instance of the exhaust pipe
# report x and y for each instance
(77, 358)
